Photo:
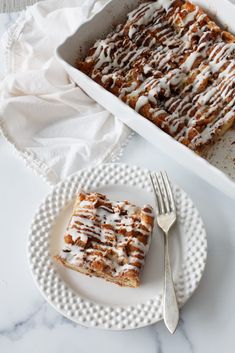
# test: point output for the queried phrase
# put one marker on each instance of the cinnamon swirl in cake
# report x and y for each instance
(172, 64)
(108, 239)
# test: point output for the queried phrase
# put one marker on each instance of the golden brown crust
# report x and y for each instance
(107, 239)
(173, 65)
(126, 280)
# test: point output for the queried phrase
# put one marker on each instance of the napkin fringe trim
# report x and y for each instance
(115, 157)
(30, 159)
(8, 39)
(41, 169)
(15, 5)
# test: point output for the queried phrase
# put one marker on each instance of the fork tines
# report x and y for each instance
(163, 192)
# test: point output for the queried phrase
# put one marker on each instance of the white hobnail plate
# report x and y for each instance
(93, 301)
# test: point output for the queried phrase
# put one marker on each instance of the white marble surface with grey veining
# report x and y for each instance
(28, 324)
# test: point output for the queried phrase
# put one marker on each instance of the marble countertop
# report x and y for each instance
(29, 324)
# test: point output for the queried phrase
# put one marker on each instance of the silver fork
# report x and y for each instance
(166, 217)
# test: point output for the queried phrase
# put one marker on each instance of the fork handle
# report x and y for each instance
(170, 305)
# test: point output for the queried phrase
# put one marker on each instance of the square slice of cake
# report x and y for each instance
(107, 239)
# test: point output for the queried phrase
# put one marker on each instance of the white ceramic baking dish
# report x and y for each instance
(115, 12)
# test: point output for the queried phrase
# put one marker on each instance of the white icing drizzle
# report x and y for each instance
(165, 4)
(128, 89)
(109, 227)
(188, 64)
(190, 16)
(142, 100)
(167, 59)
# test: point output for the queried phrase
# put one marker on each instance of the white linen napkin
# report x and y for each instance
(53, 124)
